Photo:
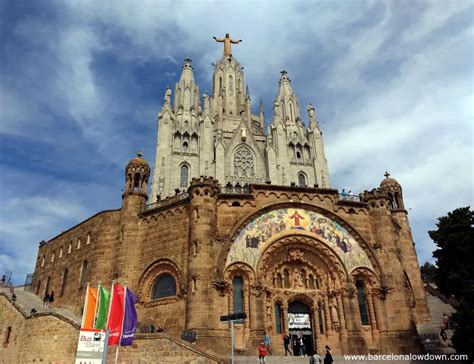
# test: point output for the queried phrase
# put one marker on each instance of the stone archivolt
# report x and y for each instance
(149, 277)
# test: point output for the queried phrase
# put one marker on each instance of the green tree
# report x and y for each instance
(428, 272)
(455, 274)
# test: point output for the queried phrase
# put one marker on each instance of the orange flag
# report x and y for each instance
(89, 308)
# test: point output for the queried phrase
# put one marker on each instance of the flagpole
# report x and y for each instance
(123, 318)
(97, 302)
(85, 306)
(107, 322)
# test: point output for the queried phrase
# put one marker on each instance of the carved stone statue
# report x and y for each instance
(334, 315)
(310, 111)
(167, 97)
(206, 103)
(276, 108)
(227, 44)
(298, 281)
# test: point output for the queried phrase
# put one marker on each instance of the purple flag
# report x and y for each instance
(130, 320)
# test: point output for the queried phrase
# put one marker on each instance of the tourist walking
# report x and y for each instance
(445, 321)
(315, 359)
(262, 352)
(51, 298)
(444, 338)
(267, 342)
(46, 299)
(286, 343)
(328, 357)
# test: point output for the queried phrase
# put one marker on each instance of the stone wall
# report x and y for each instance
(93, 241)
(41, 338)
(50, 338)
(161, 348)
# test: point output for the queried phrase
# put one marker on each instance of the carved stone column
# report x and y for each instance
(379, 316)
(327, 315)
(370, 305)
(341, 311)
(253, 308)
(284, 307)
(348, 310)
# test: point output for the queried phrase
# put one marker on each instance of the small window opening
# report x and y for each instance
(298, 155)
(6, 341)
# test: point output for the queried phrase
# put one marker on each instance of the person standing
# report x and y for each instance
(46, 299)
(296, 345)
(302, 346)
(286, 343)
(328, 357)
(267, 342)
(262, 352)
(51, 298)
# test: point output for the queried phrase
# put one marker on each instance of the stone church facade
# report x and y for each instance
(239, 220)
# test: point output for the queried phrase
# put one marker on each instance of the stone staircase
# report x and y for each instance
(437, 306)
(26, 301)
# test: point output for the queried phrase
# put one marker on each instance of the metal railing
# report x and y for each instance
(348, 197)
(235, 190)
(168, 201)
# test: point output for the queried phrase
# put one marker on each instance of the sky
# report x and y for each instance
(81, 84)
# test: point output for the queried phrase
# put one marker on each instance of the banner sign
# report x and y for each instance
(299, 321)
(90, 347)
(130, 319)
(116, 315)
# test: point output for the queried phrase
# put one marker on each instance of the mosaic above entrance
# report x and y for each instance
(254, 237)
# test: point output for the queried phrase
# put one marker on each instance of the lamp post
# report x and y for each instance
(240, 316)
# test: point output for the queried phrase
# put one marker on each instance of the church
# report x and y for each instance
(241, 217)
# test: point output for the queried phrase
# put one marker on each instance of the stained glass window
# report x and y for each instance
(238, 290)
(184, 175)
(364, 315)
(165, 286)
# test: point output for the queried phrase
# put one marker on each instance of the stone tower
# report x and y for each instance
(126, 254)
(221, 138)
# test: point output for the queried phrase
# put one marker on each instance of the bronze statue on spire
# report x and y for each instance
(227, 44)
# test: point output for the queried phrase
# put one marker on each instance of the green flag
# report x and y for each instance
(104, 297)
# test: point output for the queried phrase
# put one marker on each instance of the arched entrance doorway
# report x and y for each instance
(300, 328)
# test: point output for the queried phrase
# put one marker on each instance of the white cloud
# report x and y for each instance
(412, 116)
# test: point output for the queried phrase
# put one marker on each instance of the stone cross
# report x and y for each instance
(387, 174)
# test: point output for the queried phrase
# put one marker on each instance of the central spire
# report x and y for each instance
(227, 44)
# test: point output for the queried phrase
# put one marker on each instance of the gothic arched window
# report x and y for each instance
(164, 286)
(184, 175)
(231, 85)
(244, 165)
(278, 318)
(238, 294)
(63, 282)
(364, 314)
(301, 180)
(84, 271)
